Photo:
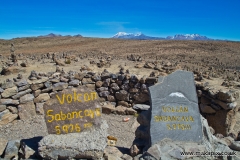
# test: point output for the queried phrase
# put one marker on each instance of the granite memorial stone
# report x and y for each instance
(174, 109)
(72, 110)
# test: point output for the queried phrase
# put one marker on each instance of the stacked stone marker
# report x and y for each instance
(174, 109)
(75, 127)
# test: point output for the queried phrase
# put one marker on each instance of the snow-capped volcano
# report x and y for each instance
(140, 36)
(188, 37)
(124, 35)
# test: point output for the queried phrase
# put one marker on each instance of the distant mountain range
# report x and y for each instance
(59, 35)
(140, 36)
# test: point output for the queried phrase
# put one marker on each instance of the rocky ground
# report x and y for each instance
(36, 127)
(215, 65)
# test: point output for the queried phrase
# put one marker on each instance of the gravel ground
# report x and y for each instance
(35, 127)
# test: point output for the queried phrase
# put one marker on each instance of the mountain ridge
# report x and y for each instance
(140, 36)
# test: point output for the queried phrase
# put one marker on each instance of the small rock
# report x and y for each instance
(13, 109)
(151, 80)
(123, 103)
(37, 81)
(21, 83)
(103, 93)
(20, 94)
(122, 95)
(26, 98)
(111, 98)
(87, 81)
(36, 93)
(111, 151)
(99, 84)
(207, 109)
(91, 86)
(3, 144)
(126, 157)
(9, 92)
(6, 85)
(134, 151)
(8, 101)
(121, 110)
(142, 107)
(7, 117)
(235, 146)
(12, 149)
(228, 96)
(74, 83)
(37, 86)
(41, 98)
(130, 111)
(60, 86)
(141, 97)
(39, 108)
(23, 88)
(102, 89)
(107, 109)
(27, 110)
(2, 107)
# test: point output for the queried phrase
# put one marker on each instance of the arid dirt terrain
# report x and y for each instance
(214, 61)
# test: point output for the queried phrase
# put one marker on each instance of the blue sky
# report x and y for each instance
(218, 19)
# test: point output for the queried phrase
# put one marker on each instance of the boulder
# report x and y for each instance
(89, 145)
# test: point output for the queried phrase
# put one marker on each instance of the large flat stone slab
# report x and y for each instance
(174, 109)
(87, 144)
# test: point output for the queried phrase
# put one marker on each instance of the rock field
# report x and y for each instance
(120, 71)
